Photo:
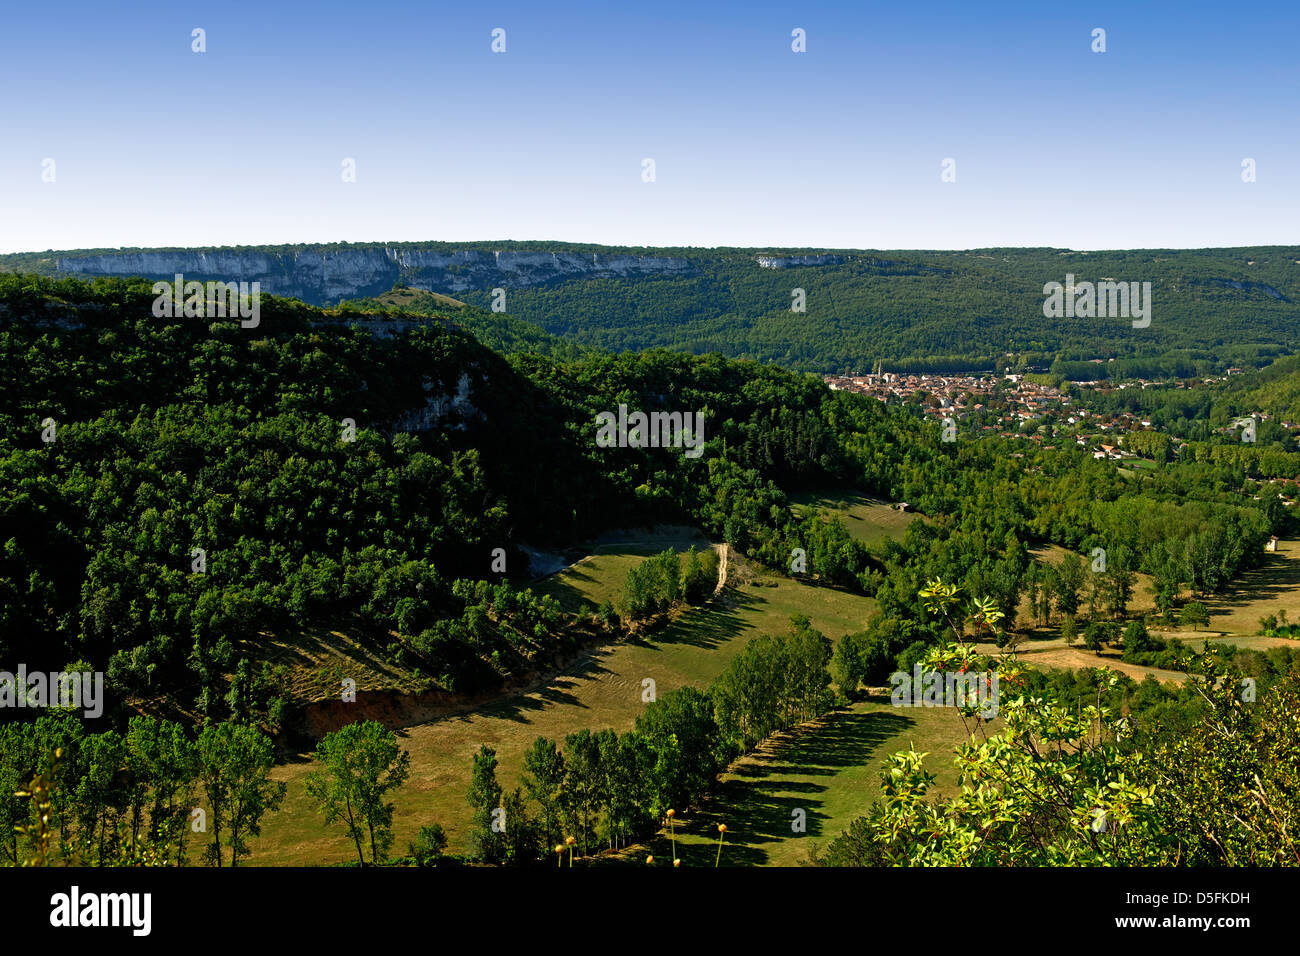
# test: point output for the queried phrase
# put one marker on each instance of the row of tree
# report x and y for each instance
(773, 684)
(607, 789)
(125, 797)
(600, 788)
(656, 584)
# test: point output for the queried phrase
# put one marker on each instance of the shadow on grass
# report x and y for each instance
(758, 803)
(714, 624)
(758, 800)
(564, 589)
(707, 626)
(555, 691)
(1276, 577)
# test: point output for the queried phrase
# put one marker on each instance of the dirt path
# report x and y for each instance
(722, 569)
(1077, 659)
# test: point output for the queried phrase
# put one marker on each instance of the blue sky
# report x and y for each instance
(754, 145)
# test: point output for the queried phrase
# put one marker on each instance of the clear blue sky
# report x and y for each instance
(840, 146)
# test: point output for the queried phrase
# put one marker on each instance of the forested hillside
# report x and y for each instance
(940, 310)
(131, 441)
(1211, 416)
(913, 310)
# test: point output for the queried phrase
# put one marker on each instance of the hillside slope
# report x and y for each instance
(911, 309)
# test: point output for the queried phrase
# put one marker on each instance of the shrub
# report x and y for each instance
(1194, 614)
(912, 655)
(428, 845)
(1069, 630)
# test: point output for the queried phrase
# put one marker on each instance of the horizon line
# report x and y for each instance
(718, 248)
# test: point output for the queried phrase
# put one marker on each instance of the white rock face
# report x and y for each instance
(458, 407)
(379, 327)
(321, 277)
(1268, 290)
(786, 262)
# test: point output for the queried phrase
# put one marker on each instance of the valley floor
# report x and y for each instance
(829, 769)
(604, 689)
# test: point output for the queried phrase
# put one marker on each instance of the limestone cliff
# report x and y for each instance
(326, 276)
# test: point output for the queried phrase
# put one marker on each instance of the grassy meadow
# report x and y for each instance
(602, 689)
(599, 576)
(869, 520)
(829, 768)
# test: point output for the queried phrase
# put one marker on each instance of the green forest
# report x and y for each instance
(175, 493)
(913, 310)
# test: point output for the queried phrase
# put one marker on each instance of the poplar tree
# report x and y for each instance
(584, 788)
(484, 797)
(234, 763)
(359, 765)
(542, 778)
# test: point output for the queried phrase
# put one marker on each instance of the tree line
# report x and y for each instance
(602, 789)
(126, 798)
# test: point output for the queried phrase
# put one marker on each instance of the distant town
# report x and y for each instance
(1027, 405)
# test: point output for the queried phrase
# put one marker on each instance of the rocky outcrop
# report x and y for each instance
(323, 276)
(790, 262)
(381, 325)
(452, 411)
(1267, 290)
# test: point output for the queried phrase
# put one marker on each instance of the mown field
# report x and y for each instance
(603, 689)
(870, 520)
(1234, 613)
(1234, 616)
(1268, 589)
(829, 769)
(599, 576)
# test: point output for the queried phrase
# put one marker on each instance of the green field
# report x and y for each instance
(1273, 586)
(600, 575)
(870, 520)
(829, 768)
(1235, 612)
(603, 689)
